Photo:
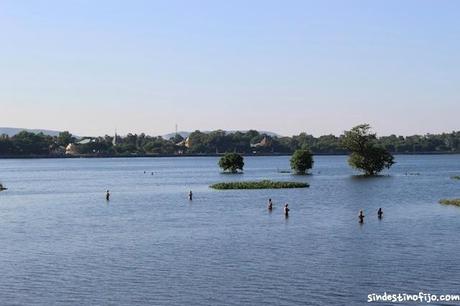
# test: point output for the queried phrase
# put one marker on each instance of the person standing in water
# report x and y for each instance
(107, 196)
(361, 216)
(380, 213)
(190, 195)
(286, 210)
(270, 205)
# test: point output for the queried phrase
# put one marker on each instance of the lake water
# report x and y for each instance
(61, 243)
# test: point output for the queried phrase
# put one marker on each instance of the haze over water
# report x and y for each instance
(63, 244)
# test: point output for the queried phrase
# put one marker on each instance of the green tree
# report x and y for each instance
(176, 138)
(301, 161)
(231, 162)
(198, 142)
(6, 145)
(27, 143)
(366, 155)
(64, 138)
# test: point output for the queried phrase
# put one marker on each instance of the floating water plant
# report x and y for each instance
(265, 184)
(455, 202)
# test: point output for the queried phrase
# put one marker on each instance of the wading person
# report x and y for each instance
(107, 196)
(380, 213)
(270, 205)
(190, 195)
(361, 216)
(286, 210)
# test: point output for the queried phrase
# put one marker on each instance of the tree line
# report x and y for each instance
(215, 142)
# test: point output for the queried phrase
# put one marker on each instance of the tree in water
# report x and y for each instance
(366, 155)
(231, 162)
(301, 161)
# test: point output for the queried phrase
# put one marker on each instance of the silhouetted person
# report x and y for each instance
(270, 204)
(286, 210)
(107, 196)
(380, 213)
(190, 195)
(361, 216)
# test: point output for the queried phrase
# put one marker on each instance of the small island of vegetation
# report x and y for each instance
(455, 202)
(265, 184)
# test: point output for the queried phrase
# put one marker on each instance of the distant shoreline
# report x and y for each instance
(62, 156)
(250, 143)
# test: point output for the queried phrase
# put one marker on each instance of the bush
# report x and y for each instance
(301, 161)
(265, 184)
(455, 202)
(231, 162)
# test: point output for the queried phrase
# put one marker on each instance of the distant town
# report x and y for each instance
(252, 142)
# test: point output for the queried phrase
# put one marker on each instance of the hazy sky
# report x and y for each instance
(286, 66)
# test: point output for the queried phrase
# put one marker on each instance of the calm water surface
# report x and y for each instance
(61, 243)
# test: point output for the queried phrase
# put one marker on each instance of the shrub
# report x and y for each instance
(301, 161)
(231, 162)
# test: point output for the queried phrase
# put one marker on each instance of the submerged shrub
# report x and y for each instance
(231, 162)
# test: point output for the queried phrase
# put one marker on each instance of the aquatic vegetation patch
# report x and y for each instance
(265, 184)
(456, 177)
(455, 202)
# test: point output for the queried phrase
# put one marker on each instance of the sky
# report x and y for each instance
(321, 67)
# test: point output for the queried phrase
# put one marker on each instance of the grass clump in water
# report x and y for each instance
(456, 177)
(265, 184)
(455, 202)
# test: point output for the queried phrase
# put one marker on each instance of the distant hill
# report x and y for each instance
(13, 131)
(185, 134)
(182, 133)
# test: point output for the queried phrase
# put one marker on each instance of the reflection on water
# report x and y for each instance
(62, 243)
